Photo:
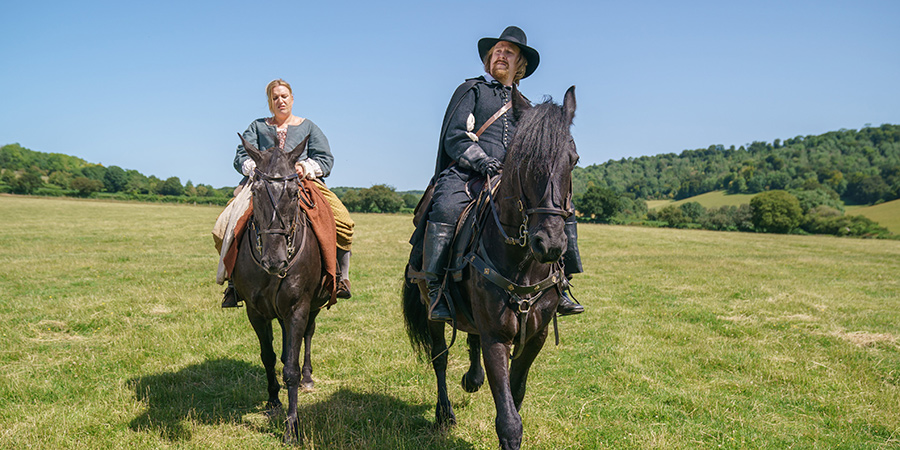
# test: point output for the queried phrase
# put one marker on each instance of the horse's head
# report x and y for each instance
(538, 171)
(276, 211)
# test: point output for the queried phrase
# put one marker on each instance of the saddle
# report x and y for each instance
(464, 238)
(321, 219)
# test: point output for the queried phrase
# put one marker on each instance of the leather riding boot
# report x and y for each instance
(230, 299)
(572, 257)
(343, 284)
(435, 253)
(572, 260)
(567, 306)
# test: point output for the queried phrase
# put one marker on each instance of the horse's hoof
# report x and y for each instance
(471, 386)
(273, 405)
(444, 421)
(290, 438)
(307, 386)
(292, 434)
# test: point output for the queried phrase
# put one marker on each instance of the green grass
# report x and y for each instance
(112, 338)
(715, 199)
(887, 214)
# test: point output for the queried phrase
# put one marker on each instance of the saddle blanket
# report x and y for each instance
(239, 212)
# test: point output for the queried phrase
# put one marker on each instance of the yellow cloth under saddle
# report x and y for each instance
(343, 223)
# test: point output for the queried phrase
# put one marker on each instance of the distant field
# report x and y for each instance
(715, 199)
(886, 214)
(112, 338)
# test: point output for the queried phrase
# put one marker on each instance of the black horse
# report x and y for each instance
(278, 273)
(510, 286)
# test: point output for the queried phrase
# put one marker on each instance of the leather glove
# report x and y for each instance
(474, 158)
(489, 166)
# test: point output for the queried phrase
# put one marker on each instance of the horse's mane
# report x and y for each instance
(539, 139)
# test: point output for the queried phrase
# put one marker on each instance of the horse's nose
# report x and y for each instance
(544, 251)
(275, 267)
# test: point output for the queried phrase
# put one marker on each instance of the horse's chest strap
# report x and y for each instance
(491, 274)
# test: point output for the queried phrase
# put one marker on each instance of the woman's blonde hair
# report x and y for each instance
(271, 87)
(521, 64)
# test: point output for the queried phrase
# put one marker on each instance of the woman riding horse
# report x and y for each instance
(284, 131)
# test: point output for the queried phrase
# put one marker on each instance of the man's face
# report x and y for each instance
(504, 58)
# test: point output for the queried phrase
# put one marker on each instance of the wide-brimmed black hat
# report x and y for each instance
(513, 35)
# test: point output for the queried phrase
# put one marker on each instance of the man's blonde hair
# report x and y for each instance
(271, 87)
(521, 64)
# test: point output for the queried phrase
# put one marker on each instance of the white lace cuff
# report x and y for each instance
(247, 167)
(311, 169)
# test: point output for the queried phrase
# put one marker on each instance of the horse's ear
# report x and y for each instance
(254, 154)
(298, 150)
(520, 103)
(569, 104)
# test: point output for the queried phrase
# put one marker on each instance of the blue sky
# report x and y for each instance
(163, 87)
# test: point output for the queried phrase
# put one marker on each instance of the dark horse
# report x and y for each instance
(509, 286)
(278, 273)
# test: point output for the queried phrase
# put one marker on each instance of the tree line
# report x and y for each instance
(24, 171)
(817, 173)
(821, 173)
(860, 167)
(30, 172)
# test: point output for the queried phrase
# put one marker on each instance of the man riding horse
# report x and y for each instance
(482, 103)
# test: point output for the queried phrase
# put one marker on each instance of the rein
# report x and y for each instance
(304, 195)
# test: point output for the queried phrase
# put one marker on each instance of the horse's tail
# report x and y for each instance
(416, 315)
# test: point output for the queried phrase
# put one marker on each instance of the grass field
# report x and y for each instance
(886, 214)
(714, 199)
(112, 338)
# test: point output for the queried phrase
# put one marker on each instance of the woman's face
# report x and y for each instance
(282, 100)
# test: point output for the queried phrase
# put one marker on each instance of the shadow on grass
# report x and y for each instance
(351, 419)
(215, 391)
(225, 390)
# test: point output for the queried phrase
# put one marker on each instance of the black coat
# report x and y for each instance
(482, 99)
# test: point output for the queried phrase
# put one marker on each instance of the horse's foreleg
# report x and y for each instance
(296, 330)
(443, 411)
(508, 422)
(474, 377)
(518, 372)
(285, 339)
(306, 381)
(263, 329)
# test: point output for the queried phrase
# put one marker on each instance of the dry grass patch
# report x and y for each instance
(865, 339)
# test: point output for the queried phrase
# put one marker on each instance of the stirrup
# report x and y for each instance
(231, 299)
(568, 307)
(438, 311)
(343, 289)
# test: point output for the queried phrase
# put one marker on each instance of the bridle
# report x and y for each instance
(276, 222)
(522, 240)
(521, 297)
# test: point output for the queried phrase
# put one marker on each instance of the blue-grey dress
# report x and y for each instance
(264, 137)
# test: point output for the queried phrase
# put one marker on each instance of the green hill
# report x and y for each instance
(886, 214)
(860, 166)
(714, 199)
